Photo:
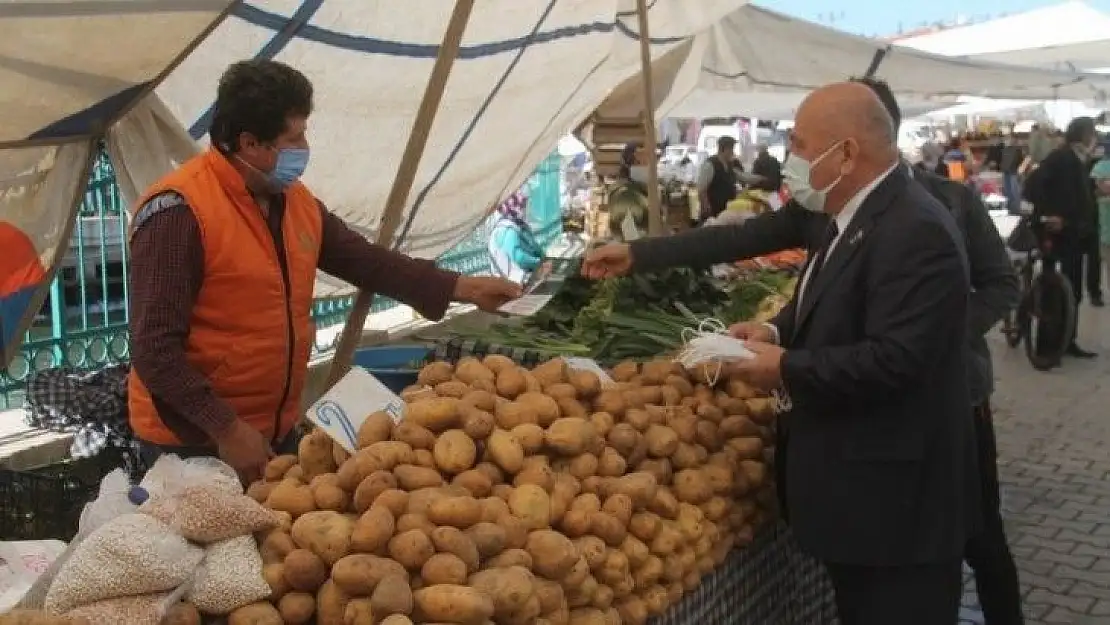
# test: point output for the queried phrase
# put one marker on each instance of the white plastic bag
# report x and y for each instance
(229, 578)
(112, 501)
(170, 474)
(134, 554)
(21, 564)
(710, 347)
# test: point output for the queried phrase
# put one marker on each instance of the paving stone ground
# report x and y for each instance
(1054, 458)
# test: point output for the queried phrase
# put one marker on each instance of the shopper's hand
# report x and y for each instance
(764, 370)
(246, 450)
(486, 293)
(608, 261)
(752, 331)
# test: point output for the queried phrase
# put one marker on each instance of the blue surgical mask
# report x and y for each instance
(291, 165)
(796, 172)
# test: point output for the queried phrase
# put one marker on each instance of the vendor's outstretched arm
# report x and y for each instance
(784, 229)
(347, 255)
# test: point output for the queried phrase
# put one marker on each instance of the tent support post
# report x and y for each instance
(406, 175)
(655, 213)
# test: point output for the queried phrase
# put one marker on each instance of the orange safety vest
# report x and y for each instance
(251, 330)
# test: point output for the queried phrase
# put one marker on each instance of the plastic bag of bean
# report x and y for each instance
(134, 610)
(208, 514)
(134, 554)
(229, 578)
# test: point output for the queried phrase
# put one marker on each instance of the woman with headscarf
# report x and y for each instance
(513, 248)
(628, 204)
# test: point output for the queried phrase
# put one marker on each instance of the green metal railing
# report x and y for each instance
(84, 321)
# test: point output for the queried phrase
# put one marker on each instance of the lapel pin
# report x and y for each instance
(856, 238)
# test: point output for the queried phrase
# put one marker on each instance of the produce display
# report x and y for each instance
(638, 316)
(548, 496)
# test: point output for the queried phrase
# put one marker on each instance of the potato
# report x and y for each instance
(585, 383)
(359, 611)
(624, 438)
(423, 458)
(373, 530)
(370, 487)
(291, 496)
(509, 587)
(327, 534)
(510, 557)
(532, 505)
(276, 546)
(662, 441)
(618, 506)
(260, 491)
(411, 477)
(411, 548)
(297, 608)
(328, 495)
(314, 454)
(612, 402)
(583, 466)
(644, 525)
(414, 435)
(611, 463)
(376, 428)
(635, 550)
(545, 409)
(392, 595)
(451, 603)
(435, 373)
(304, 570)
(553, 555)
(480, 400)
(551, 372)
(478, 424)
(358, 574)
(498, 363)
(535, 474)
(436, 414)
(505, 451)
(443, 568)
(394, 500)
(454, 452)
(460, 512)
(691, 486)
(509, 414)
(475, 482)
(469, 370)
(516, 531)
(255, 614)
(277, 467)
(569, 436)
(608, 528)
(274, 574)
(397, 619)
(511, 383)
(487, 538)
(331, 604)
(412, 521)
(572, 407)
(632, 611)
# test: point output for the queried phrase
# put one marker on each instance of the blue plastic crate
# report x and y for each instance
(394, 366)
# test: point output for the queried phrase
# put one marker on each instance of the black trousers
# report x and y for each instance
(1093, 267)
(926, 594)
(988, 554)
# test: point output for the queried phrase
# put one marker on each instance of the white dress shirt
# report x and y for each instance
(843, 220)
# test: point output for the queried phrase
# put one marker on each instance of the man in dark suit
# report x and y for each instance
(877, 463)
(1064, 209)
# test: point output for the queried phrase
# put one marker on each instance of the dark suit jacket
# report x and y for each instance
(877, 456)
(1063, 189)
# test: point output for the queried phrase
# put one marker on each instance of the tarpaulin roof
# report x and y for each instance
(754, 51)
(528, 72)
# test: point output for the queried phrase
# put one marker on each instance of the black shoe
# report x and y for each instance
(1096, 301)
(1075, 351)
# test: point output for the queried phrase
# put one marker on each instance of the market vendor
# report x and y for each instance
(224, 254)
(514, 251)
(717, 182)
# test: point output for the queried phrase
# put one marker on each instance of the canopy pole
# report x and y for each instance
(655, 214)
(406, 175)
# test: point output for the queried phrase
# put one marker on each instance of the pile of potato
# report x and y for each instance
(512, 496)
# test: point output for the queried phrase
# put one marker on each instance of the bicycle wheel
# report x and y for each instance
(1011, 328)
(1048, 322)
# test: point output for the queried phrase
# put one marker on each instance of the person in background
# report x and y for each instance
(993, 159)
(513, 248)
(628, 202)
(1010, 166)
(954, 164)
(1100, 174)
(769, 170)
(1093, 257)
(224, 255)
(717, 180)
(1040, 144)
(1064, 209)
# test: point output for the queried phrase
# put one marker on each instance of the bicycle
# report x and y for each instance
(1045, 317)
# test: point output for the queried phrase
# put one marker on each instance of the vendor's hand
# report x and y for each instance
(486, 293)
(246, 450)
(608, 261)
(765, 370)
(1053, 224)
(752, 331)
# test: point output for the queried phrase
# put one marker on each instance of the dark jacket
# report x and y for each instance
(1061, 187)
(770, 169)
(995, 288)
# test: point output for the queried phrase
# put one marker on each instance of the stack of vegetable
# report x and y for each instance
(511, 496)
(639, 316)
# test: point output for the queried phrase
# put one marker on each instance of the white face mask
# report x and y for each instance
(638, 173)
(796, 172)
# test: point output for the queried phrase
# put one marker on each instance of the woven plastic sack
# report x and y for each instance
(229, 578)
(134, 554)
(134, 610)
(209, 513)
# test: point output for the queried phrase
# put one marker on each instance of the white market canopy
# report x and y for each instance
(1067, 36)
(756, 61)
